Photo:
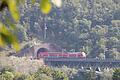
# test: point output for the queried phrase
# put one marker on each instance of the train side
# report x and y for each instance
(81, 55)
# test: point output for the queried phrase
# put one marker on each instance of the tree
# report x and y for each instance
(59, 75)
(7, 76)
(6, 37)
(46, 73)
(116, 74)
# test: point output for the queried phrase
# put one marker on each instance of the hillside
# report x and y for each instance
(91, 26)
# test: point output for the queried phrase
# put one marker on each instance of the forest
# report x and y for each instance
(92, 26)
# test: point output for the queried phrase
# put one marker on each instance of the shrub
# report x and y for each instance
(46, 73)
(41, 77)
(6, 68)
(43, 73)
(7, 76)
(59, 75)
(116, 74)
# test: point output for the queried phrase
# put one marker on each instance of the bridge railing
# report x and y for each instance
(84, 60)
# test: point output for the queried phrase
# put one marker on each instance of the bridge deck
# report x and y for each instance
(83, 62)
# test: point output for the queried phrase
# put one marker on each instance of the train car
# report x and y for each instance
(45, 54)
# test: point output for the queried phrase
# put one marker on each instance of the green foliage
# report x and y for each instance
(107, 74)
(59, 75)
(6, 73)
(45, 6)
(45, 70)
(6, 69)
(116, 74)
(26, 69)
(21, 33)
(44, 73)
(88, 25)
(12, 5)
(6, 37)
(19, 76)
(7, 76)
(42, 77)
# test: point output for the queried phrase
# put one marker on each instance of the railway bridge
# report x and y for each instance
(79, 63)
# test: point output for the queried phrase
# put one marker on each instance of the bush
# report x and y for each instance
(46, 73)
(6, 68)
(7, 76)
(26, 69)
(23, 77)
(43, 73)
(42, 77)
(6, 73)
(116, 74)
(59, 75)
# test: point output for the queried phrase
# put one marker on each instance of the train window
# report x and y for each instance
(72, 55)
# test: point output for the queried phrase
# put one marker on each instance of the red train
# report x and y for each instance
(45, 54)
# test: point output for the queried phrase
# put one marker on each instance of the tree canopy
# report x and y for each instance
(6, 37)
